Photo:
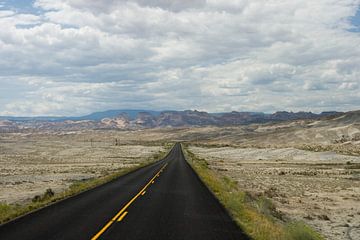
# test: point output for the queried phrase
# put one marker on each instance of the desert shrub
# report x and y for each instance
(36, 198)
(48, 194)
(300, 231)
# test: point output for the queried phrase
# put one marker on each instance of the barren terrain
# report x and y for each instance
(320, 188)
(31, 163)
(340, 134)
(309, 168)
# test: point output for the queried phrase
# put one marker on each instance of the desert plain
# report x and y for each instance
(309, 169)
(34, 162)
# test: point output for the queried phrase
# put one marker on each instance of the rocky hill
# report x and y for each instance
(133, 119)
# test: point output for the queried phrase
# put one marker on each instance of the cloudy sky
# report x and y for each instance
(73, 57)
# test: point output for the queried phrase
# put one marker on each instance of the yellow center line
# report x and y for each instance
(143, 192)
(126, 206)
(122, 216)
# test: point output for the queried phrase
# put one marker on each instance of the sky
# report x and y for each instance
(73, 57)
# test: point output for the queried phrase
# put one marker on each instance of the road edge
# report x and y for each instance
(107, 179)
(266, 227)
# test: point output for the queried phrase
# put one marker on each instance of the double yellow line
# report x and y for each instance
(122, 212)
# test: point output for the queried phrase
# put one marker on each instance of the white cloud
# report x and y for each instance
(78, 56)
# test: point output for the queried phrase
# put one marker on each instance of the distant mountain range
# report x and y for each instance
(96, 116)
(137, 119)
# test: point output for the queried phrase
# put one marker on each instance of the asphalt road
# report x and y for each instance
(165, 200)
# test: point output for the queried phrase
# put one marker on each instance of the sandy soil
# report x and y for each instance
(322, 189)
(31, 163)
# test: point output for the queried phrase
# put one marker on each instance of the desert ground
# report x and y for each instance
(320, 188)
(30, 163)
(310, 169)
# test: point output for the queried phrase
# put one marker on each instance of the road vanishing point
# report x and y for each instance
(165, 200)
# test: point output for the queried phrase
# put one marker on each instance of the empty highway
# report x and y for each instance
(165, 200)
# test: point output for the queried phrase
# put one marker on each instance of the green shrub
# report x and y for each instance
(300, 231)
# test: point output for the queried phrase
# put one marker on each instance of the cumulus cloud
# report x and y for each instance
(72, 57)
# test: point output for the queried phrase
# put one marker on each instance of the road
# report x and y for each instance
(165, 200)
